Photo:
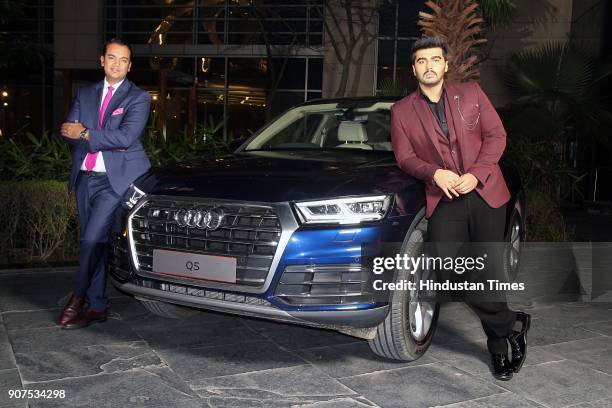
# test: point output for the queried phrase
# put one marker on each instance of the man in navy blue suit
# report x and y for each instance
(105, 128)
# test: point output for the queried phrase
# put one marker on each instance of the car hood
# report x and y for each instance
(277, 176)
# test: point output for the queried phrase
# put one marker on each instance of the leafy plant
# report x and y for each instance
(563, 79)
(497, 12)
(206, 142)
(28, 157)
(48, 157)
(556, 90)
(533, 147)
(544, 220)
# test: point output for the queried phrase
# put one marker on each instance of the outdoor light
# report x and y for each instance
(4, 94)
(5, 103)
(205, 64)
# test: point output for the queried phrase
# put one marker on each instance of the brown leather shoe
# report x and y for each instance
(85, 319)
(73, 308)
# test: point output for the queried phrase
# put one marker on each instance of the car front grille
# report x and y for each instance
(249, 232)
(118, 260)
(202, 293)
(334, 284)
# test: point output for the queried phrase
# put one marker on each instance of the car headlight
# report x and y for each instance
(351, 210)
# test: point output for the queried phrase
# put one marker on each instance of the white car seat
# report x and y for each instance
(354, 136)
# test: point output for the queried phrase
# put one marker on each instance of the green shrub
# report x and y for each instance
(206, 142)
(27, 157)
(39, 221)
(535, 151)
(544, 221)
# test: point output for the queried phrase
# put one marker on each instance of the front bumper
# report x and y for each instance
(305, 251)
(316, 278)
(333, 319)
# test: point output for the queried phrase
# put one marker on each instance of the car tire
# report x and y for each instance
(168, 310)
(514, 239)
(398, 337)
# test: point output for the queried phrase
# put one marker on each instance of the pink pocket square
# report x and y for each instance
(117, 111)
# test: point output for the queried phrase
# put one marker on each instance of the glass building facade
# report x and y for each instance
(397, 31)
(203, 60)
(26, 66)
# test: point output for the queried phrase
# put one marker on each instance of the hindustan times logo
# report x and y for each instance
(410, 263)
(430, 285)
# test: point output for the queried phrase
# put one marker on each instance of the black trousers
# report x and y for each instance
(469, 219)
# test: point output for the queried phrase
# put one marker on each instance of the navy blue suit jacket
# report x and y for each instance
(119, 140)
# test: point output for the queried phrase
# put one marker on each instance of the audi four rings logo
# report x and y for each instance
(199, 218)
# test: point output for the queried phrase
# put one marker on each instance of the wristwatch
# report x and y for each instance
(84, 133)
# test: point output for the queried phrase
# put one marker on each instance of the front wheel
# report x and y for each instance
(408, 329)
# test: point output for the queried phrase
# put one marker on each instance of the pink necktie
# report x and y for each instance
(90, 160)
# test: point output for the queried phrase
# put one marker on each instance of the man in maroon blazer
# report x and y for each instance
(450, 136)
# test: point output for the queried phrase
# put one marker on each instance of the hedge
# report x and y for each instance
(39, 222)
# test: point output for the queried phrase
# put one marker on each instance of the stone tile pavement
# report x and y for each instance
(137, 359)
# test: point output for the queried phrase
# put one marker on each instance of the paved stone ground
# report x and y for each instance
(136, 359)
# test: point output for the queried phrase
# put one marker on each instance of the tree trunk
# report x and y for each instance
(346, 68)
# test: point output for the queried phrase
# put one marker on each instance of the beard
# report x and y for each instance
(430, 80)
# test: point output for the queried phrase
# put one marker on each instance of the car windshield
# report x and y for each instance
(328, 126)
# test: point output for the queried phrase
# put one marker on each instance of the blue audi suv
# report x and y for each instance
(282, 229)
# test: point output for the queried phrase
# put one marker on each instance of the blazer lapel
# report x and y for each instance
(94, 114)
(452, 100)
(117, 98)
(449, 103)
(426, 117)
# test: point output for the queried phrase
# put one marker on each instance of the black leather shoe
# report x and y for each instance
(85, 319)
(502, 369)
(518, 341)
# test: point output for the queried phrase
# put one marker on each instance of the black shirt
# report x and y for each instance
(437, 108)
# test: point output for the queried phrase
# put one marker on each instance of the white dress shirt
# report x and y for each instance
(99, 167)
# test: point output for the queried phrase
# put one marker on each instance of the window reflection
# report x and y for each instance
(397, 30)
(206, 21)
(192, 56)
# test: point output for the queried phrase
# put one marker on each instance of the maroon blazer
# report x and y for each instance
(479, 132)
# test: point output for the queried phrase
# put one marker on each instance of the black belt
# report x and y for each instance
(92, 173)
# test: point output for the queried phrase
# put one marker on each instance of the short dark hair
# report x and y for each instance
(117, 41)
(429, 42)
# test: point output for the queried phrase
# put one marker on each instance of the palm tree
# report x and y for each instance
(462, 23)
(557, 97)
(496, 13)
(564, 79)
